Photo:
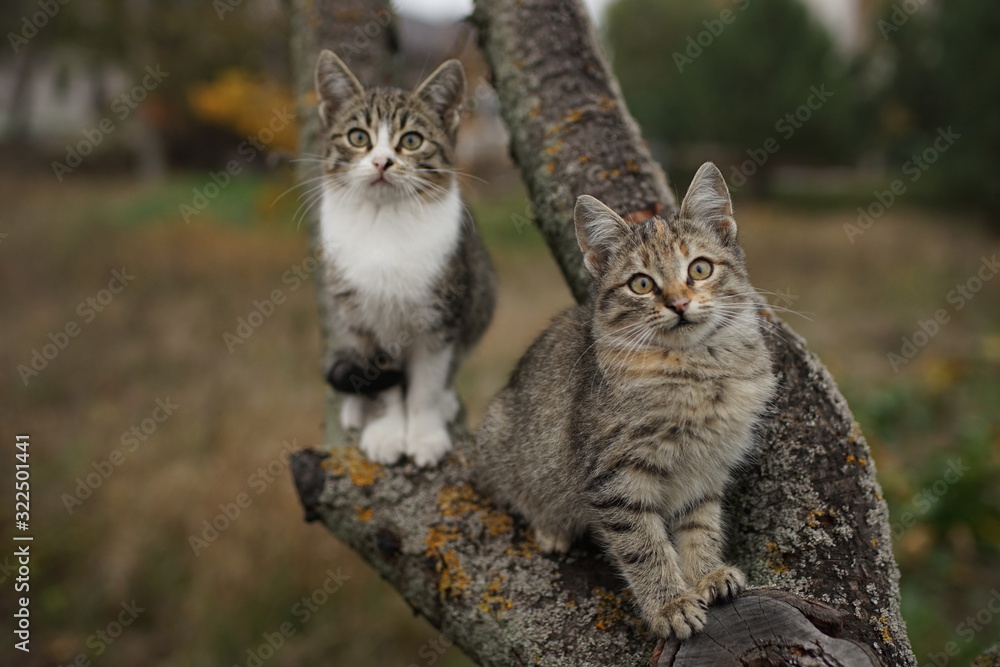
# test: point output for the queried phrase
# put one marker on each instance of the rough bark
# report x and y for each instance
(807, 514)
(767, 626)
(570, 131)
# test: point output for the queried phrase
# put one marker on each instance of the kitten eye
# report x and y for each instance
(411, 141)
(358, 138)
(641, 284)
(700, 269)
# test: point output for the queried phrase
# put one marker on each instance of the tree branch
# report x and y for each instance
(807, 515)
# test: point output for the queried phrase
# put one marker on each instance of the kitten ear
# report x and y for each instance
(598, 230)
(707, 200)
(334, 84)
(444, 91)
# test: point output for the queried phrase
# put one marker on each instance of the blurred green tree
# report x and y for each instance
(762, 83)
(943, 74)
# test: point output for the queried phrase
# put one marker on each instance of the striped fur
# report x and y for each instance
(409, 285)
(627, 417)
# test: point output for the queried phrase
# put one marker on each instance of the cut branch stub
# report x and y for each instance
(766, 626)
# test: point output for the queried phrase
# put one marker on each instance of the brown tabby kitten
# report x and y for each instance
(409, 285)
(628, 414)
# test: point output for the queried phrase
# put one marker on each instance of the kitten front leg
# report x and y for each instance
(699, 537)
(428, 403)
(352, 412)
(639, 541)
(384, 438)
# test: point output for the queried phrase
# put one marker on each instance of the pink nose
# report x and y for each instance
(679, 305)
(382, 163)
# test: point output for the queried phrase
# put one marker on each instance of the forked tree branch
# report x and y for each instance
(807, 515)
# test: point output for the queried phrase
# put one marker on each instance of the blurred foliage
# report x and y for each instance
(719, 76)
(937, 444)
(730, 72)
(941, 73)
(245, 103)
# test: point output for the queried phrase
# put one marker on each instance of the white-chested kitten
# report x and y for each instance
(409, 285)
(628, 414)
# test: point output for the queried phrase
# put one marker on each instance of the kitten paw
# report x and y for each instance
(551, 543)
(726, 582)
(352, 413)
(427, 441)
(681, 617)
(384, 440)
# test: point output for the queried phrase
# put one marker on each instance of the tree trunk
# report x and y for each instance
(807, 516)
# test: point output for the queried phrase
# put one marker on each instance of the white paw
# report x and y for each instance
(384, 440)
(352, 413)
(551, 543)
(427, 440)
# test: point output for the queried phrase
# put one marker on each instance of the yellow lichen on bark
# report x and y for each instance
(883, 624)
(454, 580)
(351, 462)
(774, 560)
(492, 601)
(437, 537)
(610, 609)
(458, 501)
(815, 518)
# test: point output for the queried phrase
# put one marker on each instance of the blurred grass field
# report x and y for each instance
(162, 337)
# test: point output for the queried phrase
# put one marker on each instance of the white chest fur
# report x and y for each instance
(391, 254)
